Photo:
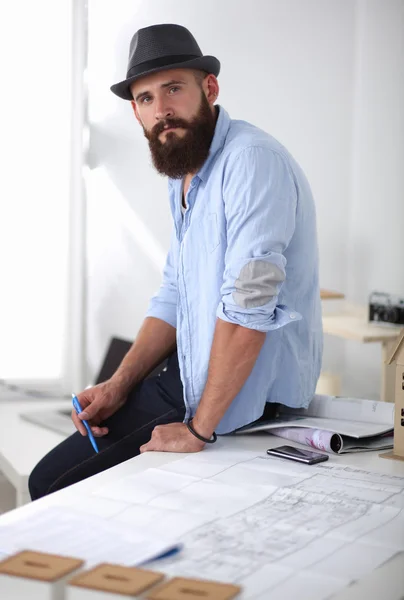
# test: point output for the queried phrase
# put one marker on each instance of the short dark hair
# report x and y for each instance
(199, 76)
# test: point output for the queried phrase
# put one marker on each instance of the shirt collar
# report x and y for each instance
(218, 140)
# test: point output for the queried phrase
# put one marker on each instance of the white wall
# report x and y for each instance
(376, 217)
(299, 69)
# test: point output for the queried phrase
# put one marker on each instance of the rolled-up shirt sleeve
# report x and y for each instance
(163, 305)
(260, 200)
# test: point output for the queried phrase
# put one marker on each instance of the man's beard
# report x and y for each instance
(179, 156)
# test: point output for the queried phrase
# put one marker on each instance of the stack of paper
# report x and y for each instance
(334, 424)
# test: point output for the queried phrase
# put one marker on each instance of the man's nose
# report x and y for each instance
(163, 110)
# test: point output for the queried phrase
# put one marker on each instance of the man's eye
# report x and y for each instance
(146, 99)
(175, 88)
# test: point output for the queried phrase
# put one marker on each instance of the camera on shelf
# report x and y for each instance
(386, 308)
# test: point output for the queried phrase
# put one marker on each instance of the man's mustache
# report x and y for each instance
(162, 125)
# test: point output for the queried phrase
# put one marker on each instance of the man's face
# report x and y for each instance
(178, 119)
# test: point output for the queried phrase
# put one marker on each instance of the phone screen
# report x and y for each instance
(306, 456)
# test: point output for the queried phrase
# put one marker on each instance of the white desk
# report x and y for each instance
(78, 496)
(351, 323)
(22, 444)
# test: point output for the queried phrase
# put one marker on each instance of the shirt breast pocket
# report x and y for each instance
(212, 232)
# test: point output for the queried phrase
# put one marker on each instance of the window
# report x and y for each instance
(35, 188)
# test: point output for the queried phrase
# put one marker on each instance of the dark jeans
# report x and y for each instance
(155, 401)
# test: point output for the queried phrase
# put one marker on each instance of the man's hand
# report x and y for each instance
(174, 437)
(98, 403)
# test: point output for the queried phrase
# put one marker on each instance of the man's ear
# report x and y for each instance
(211, 88)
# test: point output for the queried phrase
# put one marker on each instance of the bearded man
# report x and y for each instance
(238, 312)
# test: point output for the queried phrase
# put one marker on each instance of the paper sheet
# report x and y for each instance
(277, 528)
(354, 429)
(350, 409)
(70, 533)
(146, 485)
(155, 521)
(212, 498)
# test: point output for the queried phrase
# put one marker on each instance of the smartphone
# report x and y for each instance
(305, 456)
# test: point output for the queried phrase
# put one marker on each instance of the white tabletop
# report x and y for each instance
(79, 495)
(22, 444)
(357, 327)
(73, 495)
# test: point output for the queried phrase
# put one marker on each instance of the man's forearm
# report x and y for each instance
(155, 341)
(233, 355)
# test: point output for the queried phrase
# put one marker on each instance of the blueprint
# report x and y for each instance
(80, 536)
(277, 528)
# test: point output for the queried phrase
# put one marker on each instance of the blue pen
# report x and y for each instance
(78, 410)
(175, 549)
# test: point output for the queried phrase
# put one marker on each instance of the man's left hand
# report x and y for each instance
(173, 437)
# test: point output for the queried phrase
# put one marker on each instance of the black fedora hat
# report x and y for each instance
(162, 47)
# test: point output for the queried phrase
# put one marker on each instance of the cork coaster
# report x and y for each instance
(180, 588)
(127, 581)
(39, 565)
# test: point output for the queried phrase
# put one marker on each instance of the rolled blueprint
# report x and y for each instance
(316, 438)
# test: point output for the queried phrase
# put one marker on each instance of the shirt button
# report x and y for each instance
(292, 315)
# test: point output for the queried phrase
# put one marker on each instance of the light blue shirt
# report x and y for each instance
(245, 251)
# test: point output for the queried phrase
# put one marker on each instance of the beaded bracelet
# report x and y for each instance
(212, 440)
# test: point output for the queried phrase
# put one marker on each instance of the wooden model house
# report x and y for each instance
(395, 380)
